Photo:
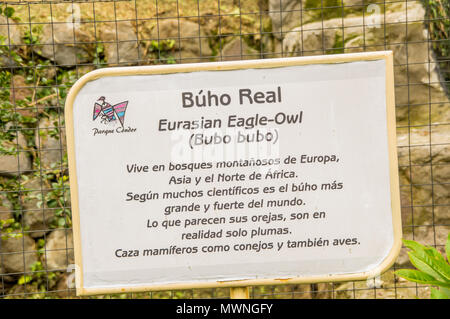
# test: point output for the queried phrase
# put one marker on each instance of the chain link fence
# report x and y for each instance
(45, 46)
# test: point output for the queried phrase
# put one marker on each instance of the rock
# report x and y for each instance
(351, 3)
(21, 91)
(310, 40)
(17, 254)
(50, 72)
(428, 235)
(7, 61)
(421, 166)
(59, 250)
(321, 290)
(10, 31)
(237, 49)
(188, 47)
(51, 140)
(422, 73)
(123, 39)
(5, 214)
(18, 161)
(64, 44)
(285, 14)
(84, 69)
(36, 218)
(296, 291)
(5, 285)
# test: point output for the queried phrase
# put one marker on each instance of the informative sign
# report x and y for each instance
(234, 174)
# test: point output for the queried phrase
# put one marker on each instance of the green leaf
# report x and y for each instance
(9, 12)
(438, 294)
(445, 290)
(436, 268)
(415, 276)
(421, 278)
(24, 280)
(447, 248)
(433, 253)
(415, 246)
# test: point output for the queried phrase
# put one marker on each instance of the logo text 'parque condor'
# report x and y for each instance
(110, 113)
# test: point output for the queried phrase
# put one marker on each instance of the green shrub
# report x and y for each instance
(324, 9)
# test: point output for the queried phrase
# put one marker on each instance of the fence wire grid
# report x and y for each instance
(45, 46)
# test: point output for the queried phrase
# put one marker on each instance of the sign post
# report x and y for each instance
(234, 174)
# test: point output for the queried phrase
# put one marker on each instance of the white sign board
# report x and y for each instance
(232, 174)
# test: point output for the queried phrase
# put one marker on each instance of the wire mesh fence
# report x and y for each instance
(45, 46)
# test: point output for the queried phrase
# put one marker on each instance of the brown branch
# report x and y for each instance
(35, 88)
(43, 99)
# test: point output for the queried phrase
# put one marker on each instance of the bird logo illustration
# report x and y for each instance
(110, 113)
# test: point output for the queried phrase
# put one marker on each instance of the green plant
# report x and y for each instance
(32, 37)
(432, 268)
(99, 56)
(9, 228)
(57, 194)
(324, 9)
(438, 24)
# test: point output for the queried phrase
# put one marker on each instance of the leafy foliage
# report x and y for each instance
(324, 9)
(32, 37)
(432, 268)
(9, 13)
(9, 228)
(438, 23)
